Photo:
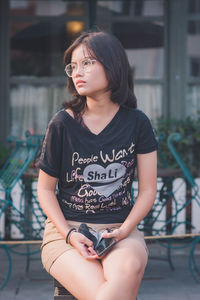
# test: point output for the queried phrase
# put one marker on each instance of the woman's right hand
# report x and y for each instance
(83, 245)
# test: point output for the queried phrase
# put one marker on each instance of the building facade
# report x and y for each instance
(161, 38)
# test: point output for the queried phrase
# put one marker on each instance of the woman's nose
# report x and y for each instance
(79, 71)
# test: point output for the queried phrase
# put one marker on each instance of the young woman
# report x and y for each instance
(91, 149)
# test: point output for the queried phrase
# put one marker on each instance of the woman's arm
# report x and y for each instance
(46, 194)
(47, 197)
(147, 188)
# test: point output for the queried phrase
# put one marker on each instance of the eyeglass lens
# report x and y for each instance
(85, 65)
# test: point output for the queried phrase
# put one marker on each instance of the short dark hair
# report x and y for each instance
(107, 49)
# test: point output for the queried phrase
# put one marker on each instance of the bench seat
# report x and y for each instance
(61, 293)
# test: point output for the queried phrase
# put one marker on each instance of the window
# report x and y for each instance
(143, 42)
(195, 66)
(46, 8)
(194, 6)
(193, 58)
(40, 33)
(135, 7)
(139, 25)
(41, 30)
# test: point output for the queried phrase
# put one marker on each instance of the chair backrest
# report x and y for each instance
(176, 137)
(162, 161)
(23, 154)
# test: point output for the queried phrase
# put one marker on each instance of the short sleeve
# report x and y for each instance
(146, 140)
(51, 153)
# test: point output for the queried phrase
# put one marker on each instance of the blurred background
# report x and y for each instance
(162, 41)
(161, 38)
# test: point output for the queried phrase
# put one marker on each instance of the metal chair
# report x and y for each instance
(162, 220)
(176, 137)
(20, 159)
(193, 197)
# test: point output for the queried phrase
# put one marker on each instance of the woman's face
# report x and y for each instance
(89, 79)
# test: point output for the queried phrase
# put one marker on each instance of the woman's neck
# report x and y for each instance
(100, 106)
(98, 114)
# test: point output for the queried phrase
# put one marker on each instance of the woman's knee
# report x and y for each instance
(132, 268)
(126, 264)
(136, 260)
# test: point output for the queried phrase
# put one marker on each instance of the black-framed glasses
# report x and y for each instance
(85, 65)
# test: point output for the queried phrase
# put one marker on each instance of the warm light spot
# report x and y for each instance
(74, 27)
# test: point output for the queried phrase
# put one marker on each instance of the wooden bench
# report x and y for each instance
(61, 293)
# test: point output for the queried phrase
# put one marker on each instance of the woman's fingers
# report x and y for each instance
(87, 242)
(83, 245)
(77, 237)
(116, 233)
(92, 251)
(111, 234)
(87, 252)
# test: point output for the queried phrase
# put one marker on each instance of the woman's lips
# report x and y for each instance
(80, 82)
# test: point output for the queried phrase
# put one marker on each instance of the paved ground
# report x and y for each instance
(159, 283)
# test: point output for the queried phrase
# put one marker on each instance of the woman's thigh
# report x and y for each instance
(128, 259)
(80, 276)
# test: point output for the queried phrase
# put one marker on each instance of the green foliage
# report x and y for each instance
(4, 154)
(188, 147)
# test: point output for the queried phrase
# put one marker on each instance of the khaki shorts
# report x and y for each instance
(54, 245)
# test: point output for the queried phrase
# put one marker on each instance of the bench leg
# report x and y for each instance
(61, 293)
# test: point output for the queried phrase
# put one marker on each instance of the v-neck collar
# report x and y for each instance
(107, 127)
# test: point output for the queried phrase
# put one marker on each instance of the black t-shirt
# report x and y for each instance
(95, 172)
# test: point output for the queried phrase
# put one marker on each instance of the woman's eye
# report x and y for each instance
(86, 62)
(73, 67)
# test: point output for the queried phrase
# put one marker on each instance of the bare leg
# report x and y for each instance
(118, 277)
(80, 276)
(123, 270)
